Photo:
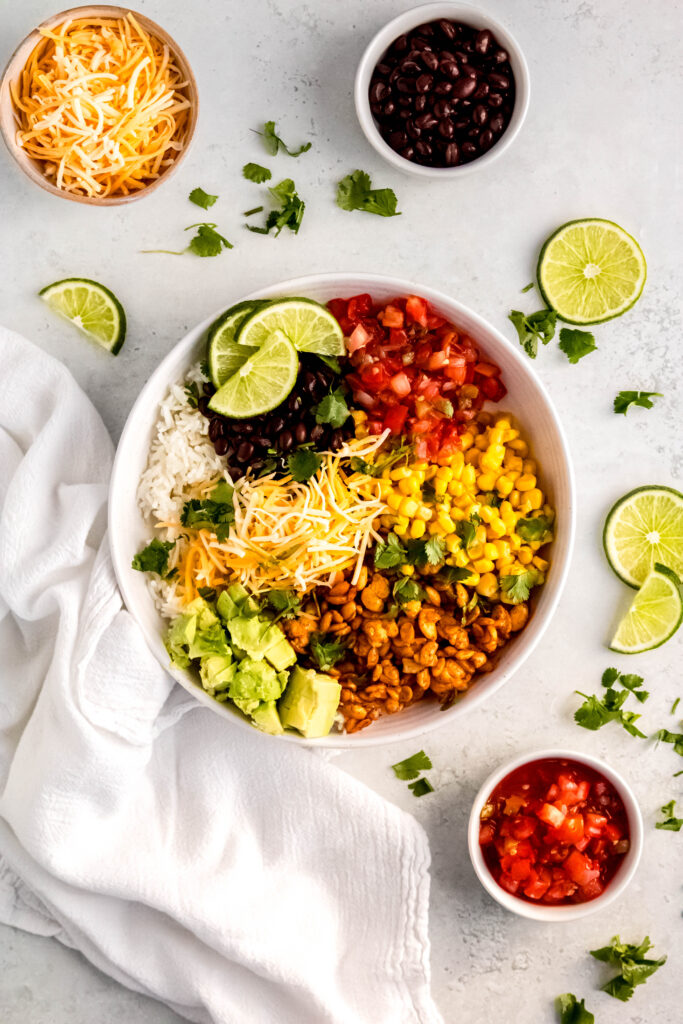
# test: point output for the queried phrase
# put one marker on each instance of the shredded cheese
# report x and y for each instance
(288, 534)
(101, 105)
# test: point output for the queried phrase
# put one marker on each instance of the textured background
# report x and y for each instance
(601, 138)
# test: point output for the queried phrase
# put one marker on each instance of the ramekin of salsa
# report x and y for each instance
(555, 835)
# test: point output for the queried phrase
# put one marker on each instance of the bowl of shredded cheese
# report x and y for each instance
(98, 104)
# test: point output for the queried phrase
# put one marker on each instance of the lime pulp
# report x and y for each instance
(655, 614)
(308, 325)
(644, 527)
(91, 307)
(261, 383)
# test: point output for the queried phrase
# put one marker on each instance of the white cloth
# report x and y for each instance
(236, 878)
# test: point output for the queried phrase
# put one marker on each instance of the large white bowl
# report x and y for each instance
(527, 399)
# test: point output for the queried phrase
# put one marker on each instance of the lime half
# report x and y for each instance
(91, 307)
(308, 325)
(654, 616)
(590, 271)
(644, 527)
(223, 355)
(261, 383)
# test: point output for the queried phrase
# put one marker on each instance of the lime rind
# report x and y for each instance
(261, 383)
(308, 325)
(655, 614)
(91, 307)
(223, 355)
(564, 266)
(628, 537)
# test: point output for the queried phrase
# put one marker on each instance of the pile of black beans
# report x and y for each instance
(264, 442)
(444, 94)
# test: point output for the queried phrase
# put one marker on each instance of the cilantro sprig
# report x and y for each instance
(596, 712)
(289, 214)
(273, 143)
(391, 553)
(518, 588)
(573, 1010)
(625, 399)
(535, 528)
(285, 603)
(201, 198)
(332, 409)
(154, 558)
(410, 768)
(256, 173)
(206, 242)
(303, 464)
(664, 736)
(407, 590)
(354, 192)
(216, 513)
(671, 823)
(576, 344)
(326, 650)
(534, 327)
(634, 967)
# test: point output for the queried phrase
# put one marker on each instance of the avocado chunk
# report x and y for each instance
(217, 672)
(309, 702)
(254, 682)
(178, 638)
(209, 637)
(234, 601)
(261, 639)
(281, 655)
(266, 718)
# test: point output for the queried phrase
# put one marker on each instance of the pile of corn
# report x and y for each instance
(428, 498)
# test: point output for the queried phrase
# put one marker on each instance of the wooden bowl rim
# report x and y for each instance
(16, 64)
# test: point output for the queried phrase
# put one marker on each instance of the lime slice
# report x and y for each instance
(644, 527)
(223, 355)
(590, 271)
(91, 307)
(261, 383)
(654, 616)
(308, 325)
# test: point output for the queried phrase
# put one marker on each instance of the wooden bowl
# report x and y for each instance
(17, 62)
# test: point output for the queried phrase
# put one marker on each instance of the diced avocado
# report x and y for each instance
(282, 655)
(266, 718)
(238, 593)
(227, 609)
(254, 681)
(179, 637)
(234, 601)
(310, 702)
(249, 634)
(217, 672)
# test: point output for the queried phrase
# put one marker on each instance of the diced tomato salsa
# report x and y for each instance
(413, 372)
(554, 832)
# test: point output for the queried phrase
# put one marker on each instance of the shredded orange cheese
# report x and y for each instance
(100, 103)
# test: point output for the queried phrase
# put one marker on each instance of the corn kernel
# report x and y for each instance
(502, 549)
(486, 481)
(409, 487)
(490, 550)
(496, 435)
(480, 534)
(525, 554)
(525, 505)
(469, 476)
(535, 498)
(435, 530)
(520, 446)
(466, 440)
(446, 523)
(481, 442)
(420, 465)
(526, 482)
(503, 564)
(504, 485)
(444, 473)
(540, 563)
(440, 485)
(401, 526)
(475, 551)
(452, 543)
(394, 500)
(472, 456)
(408, 507)
(431, 472)
(512, 461)
(483, 565)
(530, 466)
(456, 488)
(417, 528)
(515, 542)
(460, 557)
(401, 473)
(457, 461)
(549, 513)
(359, 416)
(498, 528)
(510, 435)
(425, 512)
(514, 498)
(487, 585)
(386, 521)
(503, 422)
(487, 513)
(407, 570)
(472, 579)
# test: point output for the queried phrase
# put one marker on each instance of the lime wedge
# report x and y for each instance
(91, 307)
(654, 616)
(308, 325)
(644, 527)
(223, 355)
(590, 271)
(261, 383)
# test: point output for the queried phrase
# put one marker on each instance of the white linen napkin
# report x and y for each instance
(234, 877)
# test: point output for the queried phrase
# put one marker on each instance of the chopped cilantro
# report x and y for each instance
(289, 215)
(533, 328)
(411, 767)
(326, 650)
(406, 589)
(390, 553)
(594, 712)
(533, 529)
(154, 558)
(625, 399)
(208, 593)
(216, 513)
(332, 409)
(207, 241)
(201, 198)
(273, 143)
(454, 574)
(671, 823)
(527, 287)
(572, 1010)
(576, 344)
(517, 588)
(354, 192)
(674, 706)
(192, 392)
(664, 736)
(421, 787)
(286, 603)
(427, 551)
(466, 530)
(303, 464)
(256, 173)
(250, 213)
(331, 361)
(634, 967)
(492, 499)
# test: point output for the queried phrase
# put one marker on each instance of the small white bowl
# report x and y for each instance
(567, 912)
(469, 15)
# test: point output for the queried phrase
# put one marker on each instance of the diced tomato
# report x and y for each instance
(508, 883)
(493, 388)
(612, 831)
(486, 369)
(359, 306)
(399, 337)
(592, 889)
(395, 418)
(571, 830)
(456, 371)
(391, 316)
(594, 824)
(522, 826)
(538, 884)
(520, 869)
(580, 868)
(400, 384)
(560, 891)
(487, 833)
(551, 815)
(437, 360)
(359, 338)
(416, 310)
(364, 399)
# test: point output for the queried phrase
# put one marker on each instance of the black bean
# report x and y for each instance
(246, 427)
(277, 424)
(441, 108)
(379, 91)
(423, 149)
(501, 82)
(405, 85)
(244, 452)
(376, 109)
(285, 440)
(420, 104)
(216, 428)
(300, 433)
(209, 390)
(451, 154)
(467, 71)
(500, 56)
(445, 128)
(449, 68)
(425, 121)
(469, 149)
(443, 88)
(480, 115)
(398, 139)
(407, 153)
(410, 67)
(486, 138)
(337, 440)
(203, 406)
(495, 99)
(497, 123)
(481, 91)
(400, 45)
(221, 446)
(412, 130)
(483, 41)
(461, 125)
(405, 113)
(405, 101)
(316, 433)
(429, 59)
(420, 43)
(383, 69)
(447, 28)
(464, 87)
(389, 108)
(424, 83)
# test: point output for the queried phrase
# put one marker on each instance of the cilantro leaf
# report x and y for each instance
(664, 736)
(201, 198)
(594, 712)
(492, 499)
(354, 192)
(390, 553)
(625, 399)
(303, 464)
(421, 787)
(454, 574)
(216, 513)
(286, 603)
(627, 720)
(330, 361)
(326, 650)
(207, 241)
(406, 589)
(517, 588)
(289, 215)
(635, 685)
(256, 173)
(428, 551)
(154, 558)
(573, 1011)
(609, 676)
(192, 392)
(576, 344)
(533, 328)
(670, 822)
(411, 767)
(634, 967)
(533, 529)
(467, 532)
(273, 143)
(332, 409)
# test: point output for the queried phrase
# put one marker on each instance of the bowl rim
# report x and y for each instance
(383, 39)
(16, 63)
(298, 286)
(567, 912)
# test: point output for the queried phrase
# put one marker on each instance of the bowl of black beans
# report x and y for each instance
(441, 90)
